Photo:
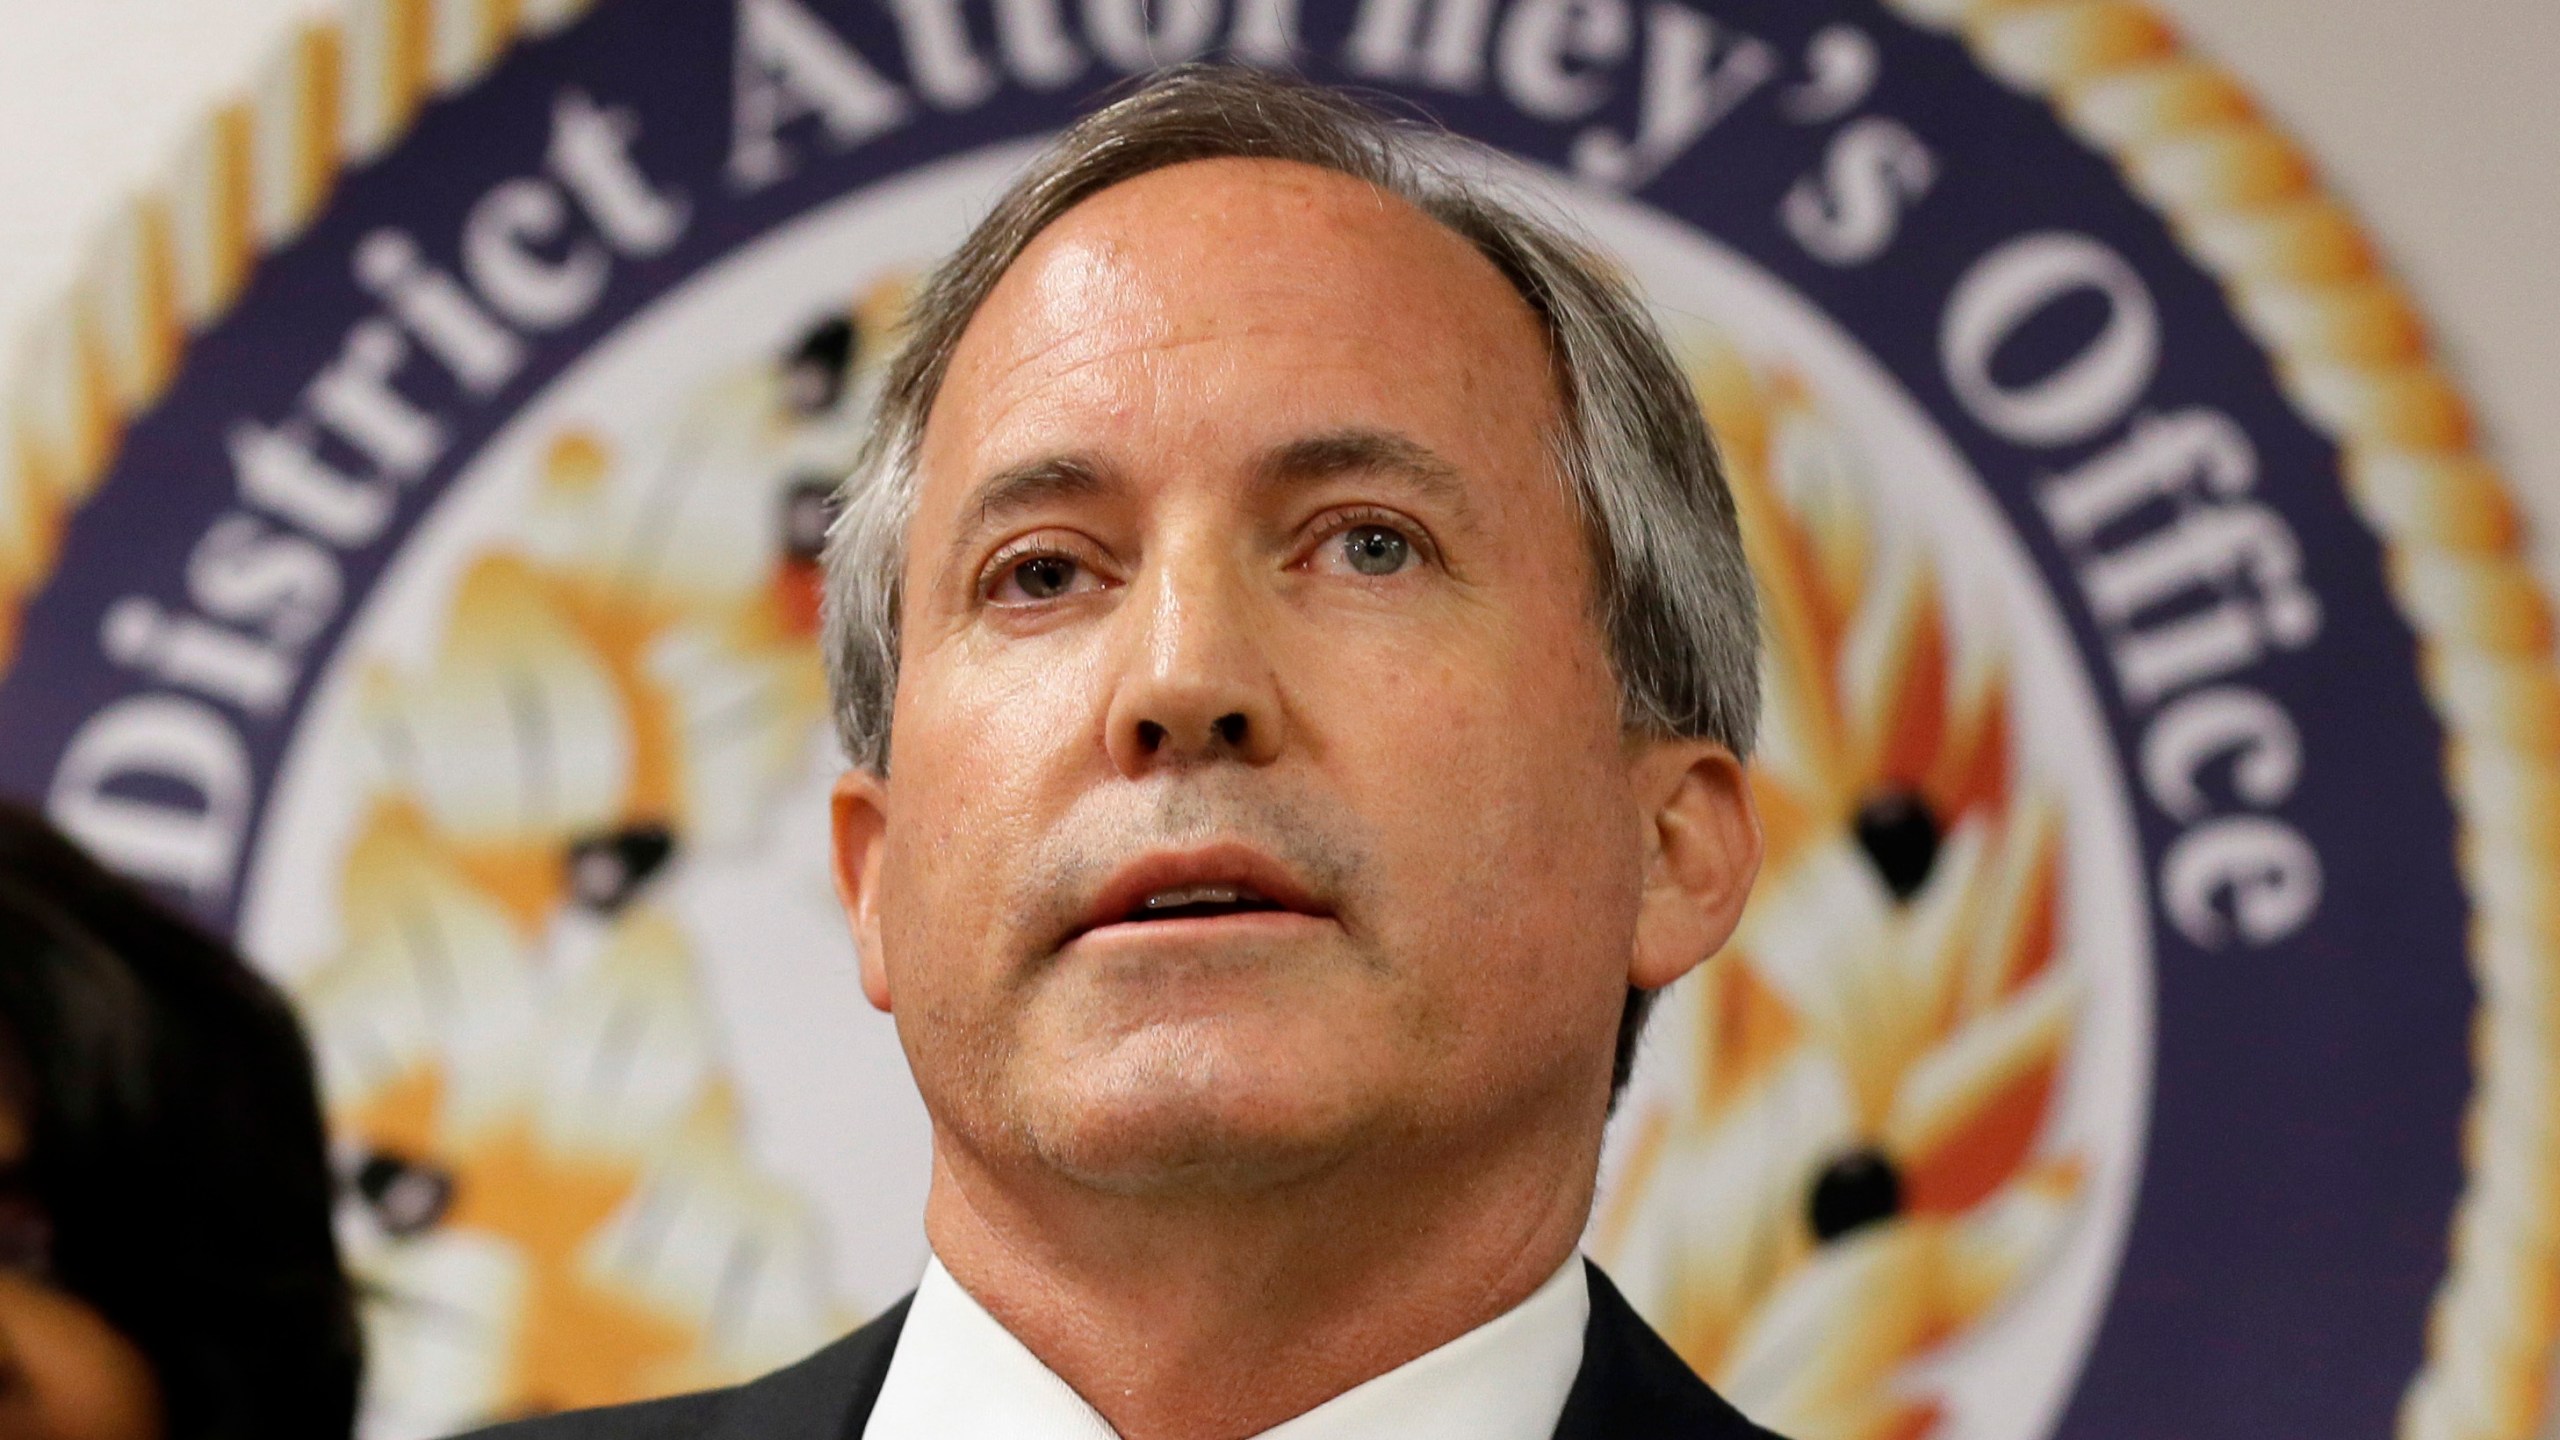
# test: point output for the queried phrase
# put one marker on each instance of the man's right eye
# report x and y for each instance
(1034, 578)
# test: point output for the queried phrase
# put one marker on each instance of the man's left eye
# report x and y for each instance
(1375, 550)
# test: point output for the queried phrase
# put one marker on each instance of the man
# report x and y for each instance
(1296, 655)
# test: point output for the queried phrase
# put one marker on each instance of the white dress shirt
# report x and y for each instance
(958, 1373)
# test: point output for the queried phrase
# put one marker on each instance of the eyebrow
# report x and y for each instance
(1027, 486)
(1314, 458)
(1018, 488)
(1377, 452)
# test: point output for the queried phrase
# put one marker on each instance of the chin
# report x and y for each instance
(1174, 1111)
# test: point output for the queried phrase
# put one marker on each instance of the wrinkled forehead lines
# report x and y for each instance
(1146, 250)
(1211, 210)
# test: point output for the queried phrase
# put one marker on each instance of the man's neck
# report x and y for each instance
(1218, 1316)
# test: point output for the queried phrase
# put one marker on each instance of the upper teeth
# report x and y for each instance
(1198, 895)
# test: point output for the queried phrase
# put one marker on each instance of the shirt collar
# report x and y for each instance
(956, 1371)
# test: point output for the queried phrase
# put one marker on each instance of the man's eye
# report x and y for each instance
(1375, 550)
(1036, 577)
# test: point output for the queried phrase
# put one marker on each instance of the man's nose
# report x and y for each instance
(1196, 681)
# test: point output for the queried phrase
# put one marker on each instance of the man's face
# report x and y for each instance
(1258, 792)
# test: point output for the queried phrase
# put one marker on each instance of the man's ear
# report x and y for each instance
(1702, 851)
(859, 813)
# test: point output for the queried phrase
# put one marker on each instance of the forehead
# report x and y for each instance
(1266, 267)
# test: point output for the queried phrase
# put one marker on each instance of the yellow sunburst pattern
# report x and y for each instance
(552, 1202)
(1854, 1168)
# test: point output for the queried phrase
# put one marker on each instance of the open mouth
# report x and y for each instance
(1199, 902)
(1213, 882)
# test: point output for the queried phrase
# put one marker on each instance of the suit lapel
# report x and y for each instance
(1632, 1386)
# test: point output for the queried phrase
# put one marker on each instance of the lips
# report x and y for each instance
(1195, 902)
(1212, 883)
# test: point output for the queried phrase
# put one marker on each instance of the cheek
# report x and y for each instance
(1478, 710)
(1488, 764)
(978, 773)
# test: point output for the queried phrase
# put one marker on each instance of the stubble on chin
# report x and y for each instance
(1170, 1122)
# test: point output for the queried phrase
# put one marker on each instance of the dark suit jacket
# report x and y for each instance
(1631, 1387)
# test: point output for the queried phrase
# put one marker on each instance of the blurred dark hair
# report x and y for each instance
(175, 1145)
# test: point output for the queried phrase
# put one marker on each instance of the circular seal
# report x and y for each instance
(408, 559)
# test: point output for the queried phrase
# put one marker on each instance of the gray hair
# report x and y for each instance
(1674, 595)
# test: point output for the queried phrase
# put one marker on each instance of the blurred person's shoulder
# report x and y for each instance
(812, 1400)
